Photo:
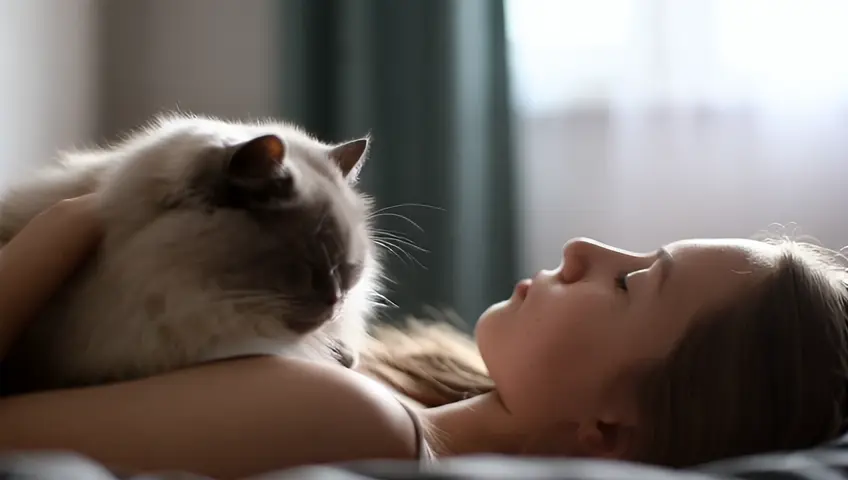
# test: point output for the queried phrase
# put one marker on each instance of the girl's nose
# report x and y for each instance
(576, 258)
(580, 256)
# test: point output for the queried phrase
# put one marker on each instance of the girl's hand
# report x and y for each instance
(35, 263)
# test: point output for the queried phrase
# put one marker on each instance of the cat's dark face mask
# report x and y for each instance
(298, 252)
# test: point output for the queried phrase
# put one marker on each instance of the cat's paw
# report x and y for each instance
(345, 355)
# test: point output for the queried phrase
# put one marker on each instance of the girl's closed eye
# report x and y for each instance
(621, 281)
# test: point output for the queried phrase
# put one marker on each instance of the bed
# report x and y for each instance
(828, 462)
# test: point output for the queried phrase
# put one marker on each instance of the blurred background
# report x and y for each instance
(501, 128)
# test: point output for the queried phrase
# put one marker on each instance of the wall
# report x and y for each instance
(215, 57)
(78, 72)
(640, 182)
(48, 56)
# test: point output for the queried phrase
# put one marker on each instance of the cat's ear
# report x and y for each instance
(350, 156)
(257, 158)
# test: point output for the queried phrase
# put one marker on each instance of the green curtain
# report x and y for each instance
(428, 80)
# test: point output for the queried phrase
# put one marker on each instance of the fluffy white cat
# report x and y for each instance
(221, 239)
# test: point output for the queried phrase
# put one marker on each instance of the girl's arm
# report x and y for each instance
(226, 420)
(38, 259)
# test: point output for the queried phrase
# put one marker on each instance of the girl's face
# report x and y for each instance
(560, 348)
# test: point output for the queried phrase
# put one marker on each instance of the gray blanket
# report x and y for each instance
(829, 462)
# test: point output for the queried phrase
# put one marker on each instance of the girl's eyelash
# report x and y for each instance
(621, 281)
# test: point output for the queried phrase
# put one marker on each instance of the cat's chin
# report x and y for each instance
(337, 352)
(246, 347)
(313, 322)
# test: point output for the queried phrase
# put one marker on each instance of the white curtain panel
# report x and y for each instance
(645, 121)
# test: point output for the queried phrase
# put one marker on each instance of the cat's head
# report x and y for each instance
(262, 213)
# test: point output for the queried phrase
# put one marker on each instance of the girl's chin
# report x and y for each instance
(497, 310)
(514, 301)
(496, 307)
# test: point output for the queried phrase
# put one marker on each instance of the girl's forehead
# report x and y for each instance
(748, 250)
(708, 274)
(714, 259)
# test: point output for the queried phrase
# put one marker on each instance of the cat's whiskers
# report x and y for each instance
(395, 244)
(397, 250)
(399, 205)
(397, 215)
(392, 249)
(382, 277)
(385, 234)
(380, 296)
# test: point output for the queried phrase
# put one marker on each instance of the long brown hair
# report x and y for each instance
(431, 362)
(765, 372)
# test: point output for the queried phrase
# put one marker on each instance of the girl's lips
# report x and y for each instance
(522, 287)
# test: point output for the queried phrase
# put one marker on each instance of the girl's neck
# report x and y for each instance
(481, 424)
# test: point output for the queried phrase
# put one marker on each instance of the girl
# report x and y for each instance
(698, 351)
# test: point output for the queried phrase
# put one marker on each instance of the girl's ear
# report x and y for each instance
(610, 433)
(605, 440)
(582, 440)
(556, 441)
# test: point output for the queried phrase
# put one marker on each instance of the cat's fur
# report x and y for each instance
(221, 239)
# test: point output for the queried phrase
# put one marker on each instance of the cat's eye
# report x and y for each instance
(350, 272)
(299, 275)
(327, 285)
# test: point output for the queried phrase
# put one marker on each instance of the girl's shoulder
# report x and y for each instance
(360, 407)
(253, 415)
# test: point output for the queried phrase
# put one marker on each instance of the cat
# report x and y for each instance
(222, 239)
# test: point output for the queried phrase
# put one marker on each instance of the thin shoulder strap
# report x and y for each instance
(425, 453)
